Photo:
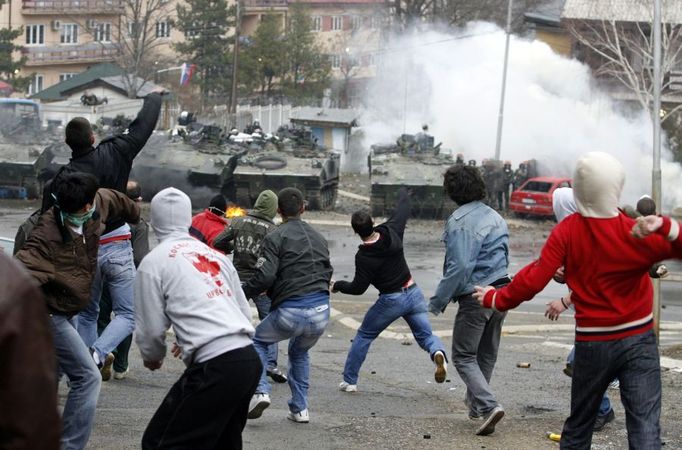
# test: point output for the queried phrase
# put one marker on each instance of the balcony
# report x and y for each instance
(70, 55)
(76, 7)
(264, 5)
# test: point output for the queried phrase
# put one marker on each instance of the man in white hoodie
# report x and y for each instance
(186, 284)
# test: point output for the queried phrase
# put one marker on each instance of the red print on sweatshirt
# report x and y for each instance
(211, 270)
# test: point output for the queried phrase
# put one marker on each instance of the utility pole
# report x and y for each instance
(500, 117)
(235, 60)
(656, 173)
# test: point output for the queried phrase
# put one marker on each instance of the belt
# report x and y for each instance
(124, 237)
(409, 285)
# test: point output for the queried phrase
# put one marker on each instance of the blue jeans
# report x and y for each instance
(116, 269)
(303, 327)
(75, 361)
(408, 304)
(635, 362)
(605, 405)
(263, 303)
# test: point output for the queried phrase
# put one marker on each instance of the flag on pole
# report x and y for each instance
(186, 73)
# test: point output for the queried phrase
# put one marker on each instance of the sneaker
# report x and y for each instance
(120, 375)
(277, 375)
(491, 419)
(299, 417)
(601, 421)
(105, 366)
(441, 366)
(475, 416)
(568, 370)
(346, 387)
(258, 404)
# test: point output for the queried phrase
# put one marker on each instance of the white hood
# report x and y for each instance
(597, 184)
(171, 213)
(563, 203)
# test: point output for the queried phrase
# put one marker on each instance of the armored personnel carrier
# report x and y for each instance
(208, 161)
(415, 162)
(291, 158)
(22, 145)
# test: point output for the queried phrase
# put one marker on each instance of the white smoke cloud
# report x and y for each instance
(553, 112)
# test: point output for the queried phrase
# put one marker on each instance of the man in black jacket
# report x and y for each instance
(111, 162)
(295, 270)
(380, 261)
(243, 238)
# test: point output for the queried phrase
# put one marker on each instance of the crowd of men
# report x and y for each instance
(80, 252)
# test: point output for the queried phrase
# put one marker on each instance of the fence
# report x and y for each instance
(61, 113)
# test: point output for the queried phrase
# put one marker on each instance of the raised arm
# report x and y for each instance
(401, 213)
(131, 142)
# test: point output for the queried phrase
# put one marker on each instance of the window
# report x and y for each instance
(537, 186)
(192, 32)
(355, 22)
(374, 22)
(335, 61)
(35, 34)
(371, 60)
(66, 76)
(337, 22)
(36, 85)
(132, 29)
(103, 32)
(163, 29)
(69, 33)
(316, 23)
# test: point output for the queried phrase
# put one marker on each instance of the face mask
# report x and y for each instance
(78, 220)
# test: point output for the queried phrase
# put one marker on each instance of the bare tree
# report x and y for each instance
(623, 51)
(133, 41)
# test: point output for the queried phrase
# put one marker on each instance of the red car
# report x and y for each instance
(534, 197)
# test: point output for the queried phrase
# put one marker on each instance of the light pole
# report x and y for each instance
(235, 61)
(500, 117)
(656, 172)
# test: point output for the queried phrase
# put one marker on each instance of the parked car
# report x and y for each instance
(534, 197)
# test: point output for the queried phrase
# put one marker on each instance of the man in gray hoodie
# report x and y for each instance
(186, 284)
(243, 238)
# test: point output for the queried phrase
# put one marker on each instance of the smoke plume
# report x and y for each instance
(553, 109)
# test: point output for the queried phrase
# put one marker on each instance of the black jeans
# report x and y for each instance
(207, 407)
(635, 362)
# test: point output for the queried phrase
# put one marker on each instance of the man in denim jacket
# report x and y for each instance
(476, 253)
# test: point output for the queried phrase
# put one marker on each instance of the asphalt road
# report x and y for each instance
(398, 405)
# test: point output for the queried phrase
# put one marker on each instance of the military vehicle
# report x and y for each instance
(22, 145)
(415, 162)
(240, 166)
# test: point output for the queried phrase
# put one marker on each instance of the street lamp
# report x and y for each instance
(656, 172)
(500, 117)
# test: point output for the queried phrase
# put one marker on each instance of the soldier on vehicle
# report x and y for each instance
(472, 162)
(460, 159)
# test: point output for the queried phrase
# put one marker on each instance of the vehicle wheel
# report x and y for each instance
(314, 201)
(328, 195)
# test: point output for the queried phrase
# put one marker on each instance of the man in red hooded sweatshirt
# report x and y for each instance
(208, 224)
(606, 256)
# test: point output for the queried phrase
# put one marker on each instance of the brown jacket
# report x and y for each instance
(64, 262)
(29, 418)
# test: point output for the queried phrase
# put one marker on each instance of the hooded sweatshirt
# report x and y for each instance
(606, 268)
(382, 262)
(184, 283)
(563, 203)
(245, 234)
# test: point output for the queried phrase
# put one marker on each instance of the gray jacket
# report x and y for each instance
(294, 261)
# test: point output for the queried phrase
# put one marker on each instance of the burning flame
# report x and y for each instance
(234, 211)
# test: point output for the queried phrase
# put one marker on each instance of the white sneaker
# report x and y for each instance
(299, 417)
(345, 387)
(120, 375)
(258, 404)
(441, 366)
